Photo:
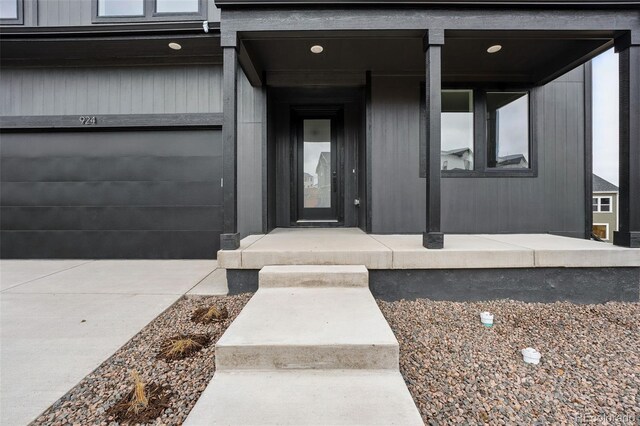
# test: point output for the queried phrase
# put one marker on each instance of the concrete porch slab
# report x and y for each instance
(305, 397)
(556, 251)
(459, 252)
(309, 246)
(344, 246)
(309, 328)
(314, 276)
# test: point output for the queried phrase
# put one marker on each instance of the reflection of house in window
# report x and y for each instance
(308, 180)
(323, 170)
(457, 159)
(515, 161)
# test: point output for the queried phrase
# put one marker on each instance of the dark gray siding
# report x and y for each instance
(111, 90)
(124, 194)
(551, 202)
(56, 13)
(251, 113)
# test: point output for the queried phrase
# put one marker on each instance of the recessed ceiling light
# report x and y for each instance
(494, 49)
(175, 46)
(317, 49)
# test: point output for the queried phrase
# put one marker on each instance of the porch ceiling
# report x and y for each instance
(527, 57)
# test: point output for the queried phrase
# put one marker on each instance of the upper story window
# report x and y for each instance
(149, 10)
(11, 12)
(602, 204)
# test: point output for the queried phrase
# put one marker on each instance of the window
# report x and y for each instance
(602, 205)
(457, 130)
(148, 10)
(508, 130)
(601, 230)
(177, 6)
(485, 133)
(11, 12)
(120, 8)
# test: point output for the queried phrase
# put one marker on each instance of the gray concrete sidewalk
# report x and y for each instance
(59, 320)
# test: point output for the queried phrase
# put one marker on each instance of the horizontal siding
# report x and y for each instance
(111, 90)
(136, 194)
(551, 202)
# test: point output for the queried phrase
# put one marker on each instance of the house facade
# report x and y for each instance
(171, 129)
(605, 208)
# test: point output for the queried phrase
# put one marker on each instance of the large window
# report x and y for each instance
(485, 133)
(149, 10)
(11, 12)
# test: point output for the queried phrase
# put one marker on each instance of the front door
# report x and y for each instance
(318, 190)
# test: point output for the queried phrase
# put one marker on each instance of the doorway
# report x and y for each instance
(315, 158)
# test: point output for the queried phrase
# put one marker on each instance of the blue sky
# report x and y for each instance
(605, 116)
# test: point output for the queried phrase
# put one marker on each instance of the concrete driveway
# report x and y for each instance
(59, 320)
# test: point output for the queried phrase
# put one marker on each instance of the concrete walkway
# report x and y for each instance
(310, 348)
(59, 320)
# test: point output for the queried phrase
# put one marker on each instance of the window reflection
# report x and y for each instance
(317, 163)
(457, 130)
(177, 6)
(508, 130)
(120, 7)
(8, 9)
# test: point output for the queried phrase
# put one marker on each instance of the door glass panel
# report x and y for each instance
(317, 163)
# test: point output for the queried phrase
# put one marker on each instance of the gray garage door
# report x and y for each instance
(111, 194)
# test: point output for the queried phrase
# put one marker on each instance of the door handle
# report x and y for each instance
(334, 181)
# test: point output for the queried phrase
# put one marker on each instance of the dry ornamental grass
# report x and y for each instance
(182, 346)
(210, 314)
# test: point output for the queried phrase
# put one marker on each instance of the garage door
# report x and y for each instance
(111, 194)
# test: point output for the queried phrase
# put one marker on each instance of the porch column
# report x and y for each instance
(432, 238)
(230, 238)
(628, 48)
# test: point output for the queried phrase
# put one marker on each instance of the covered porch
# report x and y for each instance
(398, 182)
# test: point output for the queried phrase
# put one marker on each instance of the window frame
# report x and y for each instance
(480, 132)
(599, 203)
(150, 14)
(15, 21)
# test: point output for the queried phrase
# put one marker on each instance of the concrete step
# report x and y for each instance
(327, 397)
(314, 276)
(309, 328)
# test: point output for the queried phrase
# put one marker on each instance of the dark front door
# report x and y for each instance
(317, 188)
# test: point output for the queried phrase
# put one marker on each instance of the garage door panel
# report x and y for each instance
(112, 144)
(177, 218)
(119, 193)
(109, 244)
(86, 169)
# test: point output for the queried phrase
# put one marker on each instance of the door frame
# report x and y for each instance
(281, 207)
(300, 217)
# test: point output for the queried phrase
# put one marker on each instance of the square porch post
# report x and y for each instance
(230, 238)
(433, 238)
(628, 48)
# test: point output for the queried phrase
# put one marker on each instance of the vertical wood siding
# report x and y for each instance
(551, 202)
(251, 109)
(111, 90)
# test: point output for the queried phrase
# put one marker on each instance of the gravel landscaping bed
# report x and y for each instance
(458, 371)
(89, 401)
